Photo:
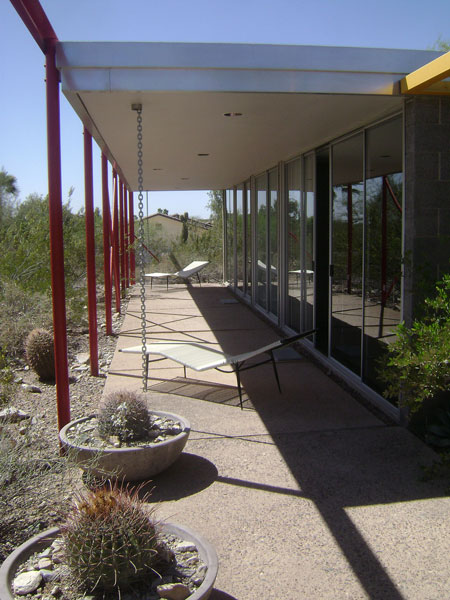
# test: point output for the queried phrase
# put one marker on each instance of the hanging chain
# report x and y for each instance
(138, 108)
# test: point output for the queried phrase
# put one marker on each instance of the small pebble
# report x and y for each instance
(186, 547)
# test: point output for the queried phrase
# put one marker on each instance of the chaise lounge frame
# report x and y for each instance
(201, 357)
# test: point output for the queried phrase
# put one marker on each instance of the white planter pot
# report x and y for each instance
(130, 463)
(37, 543)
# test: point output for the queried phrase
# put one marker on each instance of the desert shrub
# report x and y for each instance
(124, 415)
(109, 540)
(7, 387)
(31, 476)
(40, 354)
(21, 311)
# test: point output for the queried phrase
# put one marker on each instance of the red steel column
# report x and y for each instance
(90, 252)
(115, 234)
(132, 253)
(56, 237)
(127, 238)
(122, 237)
(106, 245)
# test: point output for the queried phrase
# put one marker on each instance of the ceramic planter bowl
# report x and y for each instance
(39, 542)
(128, 463)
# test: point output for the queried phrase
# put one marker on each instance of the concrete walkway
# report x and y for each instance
(305, 495)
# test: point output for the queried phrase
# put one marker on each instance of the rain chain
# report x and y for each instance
(141, 262)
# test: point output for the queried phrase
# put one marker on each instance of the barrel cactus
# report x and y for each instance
(124, 415)
(40, 354)
(110, 540)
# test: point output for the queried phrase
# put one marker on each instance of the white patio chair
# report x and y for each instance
(193, 268)
(202, 357)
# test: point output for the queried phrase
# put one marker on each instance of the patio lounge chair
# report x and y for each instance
(201, 357)
(193, 268)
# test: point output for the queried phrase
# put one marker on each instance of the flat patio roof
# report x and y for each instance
(283, 100)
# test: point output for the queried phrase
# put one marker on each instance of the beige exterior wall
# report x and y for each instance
(166, 226)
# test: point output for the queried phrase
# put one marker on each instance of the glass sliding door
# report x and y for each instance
(293, 223)
(300, 243)
(383, 268)
(248, 238)
(347, 252)
(273, 241)
(308, 264)
(230, 237)
(240, 237)
(261, 240)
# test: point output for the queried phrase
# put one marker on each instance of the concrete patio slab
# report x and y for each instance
(305, 494)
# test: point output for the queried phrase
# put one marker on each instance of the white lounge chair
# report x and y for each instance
(201, 357)
(193, 268)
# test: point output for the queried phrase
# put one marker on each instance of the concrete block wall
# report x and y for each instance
(427, 197)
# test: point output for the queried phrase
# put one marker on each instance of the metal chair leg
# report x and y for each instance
(238, 378)
(275, 371)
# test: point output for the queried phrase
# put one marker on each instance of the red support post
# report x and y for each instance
(132, 253)
(115, 237)
(106, 245)
(122, 237)
(56, 237)
(127, 238)
(90, 253)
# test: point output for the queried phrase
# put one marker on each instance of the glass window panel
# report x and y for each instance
(248, 237)
(309, 243)
(273, 240)
(347, 252)
(382, 302)
(293, 176)
(230, 236)
(261, 240)
(240, 237)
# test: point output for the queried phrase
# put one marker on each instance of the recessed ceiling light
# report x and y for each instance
(203, 154)
(232, 114)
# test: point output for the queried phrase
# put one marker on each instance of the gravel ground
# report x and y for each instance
(36, 484)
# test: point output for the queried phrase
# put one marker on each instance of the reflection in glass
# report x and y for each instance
(300, 244)
(347, 252)
(308, 254)
(240, 237)
(261, 240)
(382, 302)
(273, 241)
(230, 236)
(248, 237)
(293, 176)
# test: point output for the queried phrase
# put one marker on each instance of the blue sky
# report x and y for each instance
(385, 23)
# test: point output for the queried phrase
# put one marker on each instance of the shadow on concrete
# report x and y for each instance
(219, 595)
(189, 475)
(350, 465)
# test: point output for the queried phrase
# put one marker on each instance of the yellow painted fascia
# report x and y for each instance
(421, 81)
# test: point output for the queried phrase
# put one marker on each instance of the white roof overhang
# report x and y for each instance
(291, 99)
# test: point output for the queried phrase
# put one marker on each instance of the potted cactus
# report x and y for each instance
(109, 544)
(125, 439)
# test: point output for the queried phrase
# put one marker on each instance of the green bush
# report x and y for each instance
(417, 365)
